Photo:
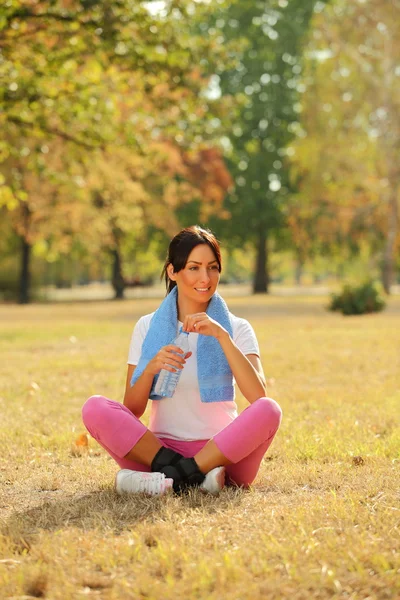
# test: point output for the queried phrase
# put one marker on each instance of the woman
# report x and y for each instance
(196, 437)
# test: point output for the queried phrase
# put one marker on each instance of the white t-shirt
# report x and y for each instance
(185, 416)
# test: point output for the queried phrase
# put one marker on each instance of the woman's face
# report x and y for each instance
(199, 278)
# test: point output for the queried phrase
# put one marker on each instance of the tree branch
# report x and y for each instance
(57, 132)
(29, 14)
(24, 13)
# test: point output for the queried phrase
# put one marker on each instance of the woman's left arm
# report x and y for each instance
(247, 370)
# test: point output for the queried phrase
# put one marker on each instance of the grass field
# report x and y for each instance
(321, 521)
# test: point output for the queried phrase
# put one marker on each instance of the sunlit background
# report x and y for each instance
(275, 123)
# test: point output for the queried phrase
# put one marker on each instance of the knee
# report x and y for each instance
(272, 412)
(92, 410)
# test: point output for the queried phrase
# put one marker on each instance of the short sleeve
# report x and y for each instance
(139, 333)
(244, 337)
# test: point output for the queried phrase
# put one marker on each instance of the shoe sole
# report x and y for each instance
(214, 481)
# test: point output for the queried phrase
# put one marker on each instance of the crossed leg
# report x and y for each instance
(240, 446)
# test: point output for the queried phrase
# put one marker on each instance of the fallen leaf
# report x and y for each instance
(82, 440)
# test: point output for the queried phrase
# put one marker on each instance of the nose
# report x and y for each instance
(204, 276)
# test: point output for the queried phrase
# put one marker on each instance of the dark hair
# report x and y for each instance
(181, 246)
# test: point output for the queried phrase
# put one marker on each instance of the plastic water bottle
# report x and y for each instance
(167, 381)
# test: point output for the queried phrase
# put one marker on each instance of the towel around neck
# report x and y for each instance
(213, 371)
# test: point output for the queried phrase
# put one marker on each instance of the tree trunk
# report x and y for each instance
(261, 275)
(299, 265)
(25, 275)
(393, 225)
(117, 280)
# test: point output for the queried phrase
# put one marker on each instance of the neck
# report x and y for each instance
(189, 307)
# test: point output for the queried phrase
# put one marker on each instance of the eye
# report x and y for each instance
(193, 268)
(214, 268)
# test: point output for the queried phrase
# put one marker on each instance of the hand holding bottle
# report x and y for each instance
(171, 370)
(168, 357)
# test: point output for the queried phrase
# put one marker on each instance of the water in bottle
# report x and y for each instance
(167, 381)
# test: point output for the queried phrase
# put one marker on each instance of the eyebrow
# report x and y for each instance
(199, 263)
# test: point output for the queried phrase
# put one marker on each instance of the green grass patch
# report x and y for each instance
(321, 521)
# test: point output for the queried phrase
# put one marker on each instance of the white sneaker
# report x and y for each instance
(214, 481)
(131, 482)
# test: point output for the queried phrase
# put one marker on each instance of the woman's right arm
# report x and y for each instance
(137, 396)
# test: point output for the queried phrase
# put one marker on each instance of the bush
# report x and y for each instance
(358, 300)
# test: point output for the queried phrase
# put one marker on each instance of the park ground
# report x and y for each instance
(321, 521)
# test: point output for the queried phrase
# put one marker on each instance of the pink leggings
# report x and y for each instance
(244, 441)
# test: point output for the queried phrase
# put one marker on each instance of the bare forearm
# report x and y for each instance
(250, 382)
(137, 396)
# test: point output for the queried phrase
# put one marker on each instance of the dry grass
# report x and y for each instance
(322, 520)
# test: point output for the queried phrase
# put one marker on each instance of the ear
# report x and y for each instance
(171, 273)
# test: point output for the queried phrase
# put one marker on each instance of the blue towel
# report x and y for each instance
(213, 371)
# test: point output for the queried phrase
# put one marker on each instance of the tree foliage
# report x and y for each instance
(91, 88)
(347, 164)
(267, 81)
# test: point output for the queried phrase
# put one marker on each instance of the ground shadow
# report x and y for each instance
(106, 510)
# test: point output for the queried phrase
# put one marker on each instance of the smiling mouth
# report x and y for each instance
(202, 289)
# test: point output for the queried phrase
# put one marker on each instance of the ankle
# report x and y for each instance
(199, 464)
(210, 457)
(185, 473)
(163, 458)
(203, 465)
